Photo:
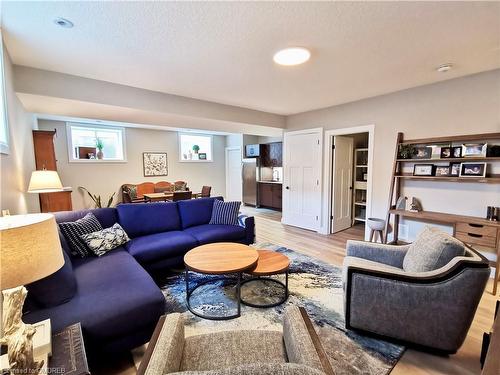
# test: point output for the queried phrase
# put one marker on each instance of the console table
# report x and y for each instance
(469, 229)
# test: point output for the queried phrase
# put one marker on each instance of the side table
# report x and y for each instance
(269, 263)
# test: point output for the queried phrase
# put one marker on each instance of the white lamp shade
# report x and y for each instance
(29, 249)
(44, 182)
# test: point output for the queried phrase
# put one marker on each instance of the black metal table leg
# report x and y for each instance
(260, 278)
(209, 317)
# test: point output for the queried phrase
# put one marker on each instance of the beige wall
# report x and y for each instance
(106, 178)
(468, 105)
(16, 166)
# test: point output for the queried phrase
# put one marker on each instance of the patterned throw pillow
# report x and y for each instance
(132, 191)
(102, 241)
(225, 212)
(72, 230)
(180, 187)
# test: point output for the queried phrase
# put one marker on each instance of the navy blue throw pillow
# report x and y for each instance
(225, 213)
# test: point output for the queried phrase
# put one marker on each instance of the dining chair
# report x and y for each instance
(182, 195)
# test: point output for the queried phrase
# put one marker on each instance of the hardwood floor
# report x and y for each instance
(332, 249)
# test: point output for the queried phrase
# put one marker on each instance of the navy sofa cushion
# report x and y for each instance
(140, 219)
(208, 233)
(55, 289)
(147, 249)
(115, 297)
(196, 211)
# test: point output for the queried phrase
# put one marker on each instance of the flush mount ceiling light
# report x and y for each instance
(443, 68)
(292, 56)
(63, 22)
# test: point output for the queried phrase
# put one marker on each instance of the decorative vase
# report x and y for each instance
(100, 154)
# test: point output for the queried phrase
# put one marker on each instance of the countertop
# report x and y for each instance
(270, 182)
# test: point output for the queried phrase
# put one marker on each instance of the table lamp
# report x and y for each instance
(29, 251)
(44, 181)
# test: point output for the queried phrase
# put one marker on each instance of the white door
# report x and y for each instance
(302, 178)
(234, 182)
(342, 183)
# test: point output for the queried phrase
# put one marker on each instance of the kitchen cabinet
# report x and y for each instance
(270, 195)
(271, 154)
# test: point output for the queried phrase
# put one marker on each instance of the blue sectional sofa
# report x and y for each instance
(114, 296)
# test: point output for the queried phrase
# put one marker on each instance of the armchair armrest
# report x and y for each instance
(164, 352)
(392, 255)
(248, 222)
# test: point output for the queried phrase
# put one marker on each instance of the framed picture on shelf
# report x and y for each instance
(473, 170)
(155, 164)
(445, 152)
(442, 171)
(424, 152)
(474, 150)
(202, 156)
(456, 152)
(455, 169)
(423, 169)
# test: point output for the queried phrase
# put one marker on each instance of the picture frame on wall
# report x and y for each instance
(455, 169)
(473, 169)
(155, 164)
(472, 150)
(442, 171)
(423, 169)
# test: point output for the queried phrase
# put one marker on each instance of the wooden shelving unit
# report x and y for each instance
(471, 230)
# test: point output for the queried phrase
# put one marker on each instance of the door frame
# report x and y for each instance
(319, 131)
(226, 152)
(352, 174)
(327, 172)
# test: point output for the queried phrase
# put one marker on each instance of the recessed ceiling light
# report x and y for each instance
(292, 56)
(443, 68)
(63, 22)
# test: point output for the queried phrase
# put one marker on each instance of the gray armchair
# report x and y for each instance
(425, 293)
(295, 351)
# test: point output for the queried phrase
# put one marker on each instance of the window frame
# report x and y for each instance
(4, 146)
(180, 134)
(69, 142)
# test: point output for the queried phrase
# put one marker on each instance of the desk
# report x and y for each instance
(158, 197)
(469, 229)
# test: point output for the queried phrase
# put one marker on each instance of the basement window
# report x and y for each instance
(95, 143)
(195, 147)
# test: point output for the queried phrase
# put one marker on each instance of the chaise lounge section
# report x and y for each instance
(114, 296)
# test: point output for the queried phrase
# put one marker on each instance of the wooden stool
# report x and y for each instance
(376, 227)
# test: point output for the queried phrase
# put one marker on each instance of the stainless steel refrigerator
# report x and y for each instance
(250, 176)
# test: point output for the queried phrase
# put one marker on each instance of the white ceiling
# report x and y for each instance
(223, 51)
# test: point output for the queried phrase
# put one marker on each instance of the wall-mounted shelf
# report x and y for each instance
(444, 160)
(487, 180)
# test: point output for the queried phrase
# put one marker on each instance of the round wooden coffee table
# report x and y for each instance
(269, 263)
(221, 258)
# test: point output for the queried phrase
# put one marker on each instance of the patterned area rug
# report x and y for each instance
(313, 284)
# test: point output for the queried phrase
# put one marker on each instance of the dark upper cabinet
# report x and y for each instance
(271, 154)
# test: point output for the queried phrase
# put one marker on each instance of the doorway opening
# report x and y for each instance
(349, 174)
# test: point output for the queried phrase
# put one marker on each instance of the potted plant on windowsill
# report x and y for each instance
(196, 149)
(99, 145)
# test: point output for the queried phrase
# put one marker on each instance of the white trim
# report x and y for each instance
(69, 143)
(327, 172)
(318, 131)
(232, 148)
(179, 134)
